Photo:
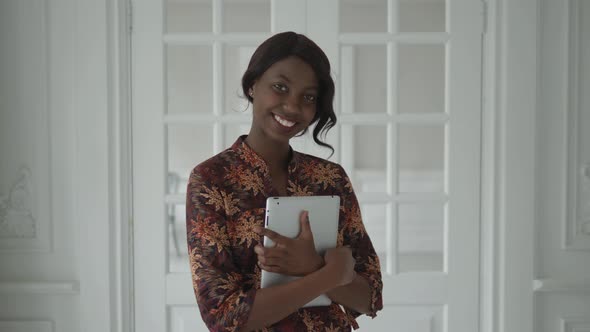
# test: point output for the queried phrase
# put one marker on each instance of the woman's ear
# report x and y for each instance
(253, 87)
(251, 90)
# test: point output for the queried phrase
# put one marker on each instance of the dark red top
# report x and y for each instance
(226, 198)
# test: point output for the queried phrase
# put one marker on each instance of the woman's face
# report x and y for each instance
(284, 100)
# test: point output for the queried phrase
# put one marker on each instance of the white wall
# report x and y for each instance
(58, 248)
(39, 256)
(60, 118)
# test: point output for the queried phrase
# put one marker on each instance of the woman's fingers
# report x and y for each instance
(341, 261)
(306, 233)
(275, 252)
(290, 256)
(274, 269)
(272, 264)
(271, 256)
(277, 238)
(270, 261)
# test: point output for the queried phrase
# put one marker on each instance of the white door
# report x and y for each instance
(408, 98)
(562, 181)
(41, 283)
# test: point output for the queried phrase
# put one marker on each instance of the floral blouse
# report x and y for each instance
(226, 198)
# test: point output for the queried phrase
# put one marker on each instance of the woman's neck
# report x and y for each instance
(276, 155)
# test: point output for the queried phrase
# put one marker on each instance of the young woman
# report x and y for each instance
(289, 85)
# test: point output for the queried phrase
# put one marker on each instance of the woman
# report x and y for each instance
(289, 85)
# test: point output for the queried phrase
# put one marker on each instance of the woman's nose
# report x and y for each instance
(291, 104)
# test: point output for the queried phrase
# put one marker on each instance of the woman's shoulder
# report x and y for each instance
(326, 172)
(304, 157)
(215, 166)
(308, 159)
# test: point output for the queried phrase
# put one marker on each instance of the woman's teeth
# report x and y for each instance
(283, 121)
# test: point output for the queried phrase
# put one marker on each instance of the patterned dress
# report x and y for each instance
(226, 198)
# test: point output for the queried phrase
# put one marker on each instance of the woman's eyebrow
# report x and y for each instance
(285, 78)
(313, 87)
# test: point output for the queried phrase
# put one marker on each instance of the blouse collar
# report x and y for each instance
(249, 155)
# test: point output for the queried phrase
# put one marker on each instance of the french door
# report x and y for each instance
(408, 101)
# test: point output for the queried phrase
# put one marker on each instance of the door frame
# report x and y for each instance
(120, 33)
(111, 289)
(508, 157)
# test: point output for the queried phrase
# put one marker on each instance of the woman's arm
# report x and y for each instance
(275, 303)
(223, 292)
(364, 295)
(298, 257)
(355, 295)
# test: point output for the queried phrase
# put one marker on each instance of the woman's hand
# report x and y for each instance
(295, 257)
(340, 263)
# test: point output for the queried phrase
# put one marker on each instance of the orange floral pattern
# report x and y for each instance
(226, 198)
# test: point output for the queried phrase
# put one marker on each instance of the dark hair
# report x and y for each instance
(284, 45)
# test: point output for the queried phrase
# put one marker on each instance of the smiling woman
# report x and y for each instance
(289, 85)
(284, 102)
(297, 69)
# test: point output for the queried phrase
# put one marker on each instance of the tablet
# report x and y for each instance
(282, 216)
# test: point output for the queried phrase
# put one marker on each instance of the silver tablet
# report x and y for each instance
(282, 216)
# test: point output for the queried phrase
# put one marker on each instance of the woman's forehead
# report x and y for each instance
(293, 69)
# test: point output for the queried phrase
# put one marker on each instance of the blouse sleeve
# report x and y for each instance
(224, 297)
(353, 234)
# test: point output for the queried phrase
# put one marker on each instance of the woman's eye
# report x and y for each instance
(280, 87)
(310, 98)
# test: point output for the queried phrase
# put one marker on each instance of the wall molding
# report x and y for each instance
(576, 228)
(27, 325)
(119, 29)
(574, 324)
(102, 121)
(561, 286)
(508, 156)
(17, 219)
(40, 288)
(25, 210)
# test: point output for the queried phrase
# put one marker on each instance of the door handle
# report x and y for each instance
(585, 171)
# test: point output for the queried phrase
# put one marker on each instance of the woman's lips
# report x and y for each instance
(284, 122)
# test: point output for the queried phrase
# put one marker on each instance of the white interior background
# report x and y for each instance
(65, 184)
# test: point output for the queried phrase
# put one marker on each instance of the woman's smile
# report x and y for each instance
(284, 122)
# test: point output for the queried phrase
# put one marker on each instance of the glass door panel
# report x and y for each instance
(420, 237)
(363, 16)
(246, 16)
(421, 78)
(187, 146)
(188, 79)
(188, 16)
(421, 158)
(422, 15)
